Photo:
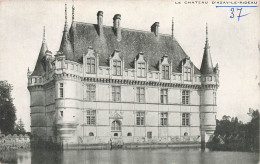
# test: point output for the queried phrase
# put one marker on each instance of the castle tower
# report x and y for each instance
(66, 111)
(37, 93)
(209, 85)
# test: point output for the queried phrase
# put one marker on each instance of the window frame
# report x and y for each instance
(166, 72)
(116, 126)
(91, 65)
(140, 118)
(185, 119)
(185, 94)
(187, 74)
(141, 71)
(91, 117)
(164, 96)
(214, 98)
(117, 67)
(116, 93)
(164, 118)
(91, 92)
(149, 134)
(61, 90)
(140, 96)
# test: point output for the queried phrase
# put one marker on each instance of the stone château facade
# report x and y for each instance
(107, 83)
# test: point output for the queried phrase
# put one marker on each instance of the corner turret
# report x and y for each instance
(209, 86)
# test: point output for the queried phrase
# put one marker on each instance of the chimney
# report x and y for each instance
(100, 22)
(155, 29)
(116, 26)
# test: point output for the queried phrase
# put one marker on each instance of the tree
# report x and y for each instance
(7, 109)
(19, 127)
(236, 135)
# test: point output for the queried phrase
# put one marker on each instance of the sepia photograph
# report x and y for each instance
(129, 82)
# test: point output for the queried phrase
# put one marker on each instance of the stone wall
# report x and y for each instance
(14, 142)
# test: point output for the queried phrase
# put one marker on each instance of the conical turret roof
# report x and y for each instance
(65, 46)
(206, 64)
(39, 70)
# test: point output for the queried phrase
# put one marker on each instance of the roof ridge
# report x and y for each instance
(123, 28)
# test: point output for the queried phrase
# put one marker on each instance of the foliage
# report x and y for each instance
(7, 109)
(19, 128)
(233, 135)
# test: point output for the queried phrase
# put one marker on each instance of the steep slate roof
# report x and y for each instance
(83, 35)
(206, 64)
(65, 46)
(39, 70)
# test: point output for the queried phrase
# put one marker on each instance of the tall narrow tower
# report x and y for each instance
(209, 85)
(37, 94)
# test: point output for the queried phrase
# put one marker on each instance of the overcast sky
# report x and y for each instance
(233, 43)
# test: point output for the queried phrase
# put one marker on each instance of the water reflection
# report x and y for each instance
(132, 156)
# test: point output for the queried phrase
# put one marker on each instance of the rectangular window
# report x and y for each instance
(149, 134)
(91, 65)
(140, 94)
(185, 119)
(185, 97)
(164, 96)
(164, 118)
(116, 67)
(61, 90)
(116, 93)
(214, 98)
(141, 69)
(187, 74)
(91, 92)
(165, 72)
(210, 78)
(140, 118)
(91, 117)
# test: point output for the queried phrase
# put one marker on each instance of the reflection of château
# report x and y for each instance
(112, 83)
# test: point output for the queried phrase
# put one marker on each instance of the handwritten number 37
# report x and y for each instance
(238, 15)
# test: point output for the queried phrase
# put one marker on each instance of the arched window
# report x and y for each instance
(129, 134)
(116, 125)
(91, 134)
(185, 134)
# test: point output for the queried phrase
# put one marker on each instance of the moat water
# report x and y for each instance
(130, 156)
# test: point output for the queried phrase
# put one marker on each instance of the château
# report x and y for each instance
(112, 84)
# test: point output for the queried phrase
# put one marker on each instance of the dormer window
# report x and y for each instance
(91, 65)
(165, 72)
(187, 74)
(116, 67)
(141, 69)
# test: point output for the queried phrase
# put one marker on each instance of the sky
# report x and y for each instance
(233, 43)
